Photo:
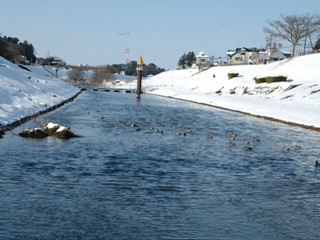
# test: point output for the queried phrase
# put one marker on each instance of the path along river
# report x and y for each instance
(159, 169)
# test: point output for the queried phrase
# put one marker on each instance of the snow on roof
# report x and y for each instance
(202, 54)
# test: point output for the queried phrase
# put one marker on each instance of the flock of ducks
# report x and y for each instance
(232, 136)
(233, 139)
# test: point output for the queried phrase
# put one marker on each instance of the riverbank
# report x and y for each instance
(26, 94)
(294, 102)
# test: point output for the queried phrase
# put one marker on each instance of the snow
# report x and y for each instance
(62, 128)
(25, 93)
(51, 125)
(297, 100)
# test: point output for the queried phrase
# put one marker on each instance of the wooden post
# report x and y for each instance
(139, 76)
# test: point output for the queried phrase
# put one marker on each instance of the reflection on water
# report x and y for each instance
(159, 169)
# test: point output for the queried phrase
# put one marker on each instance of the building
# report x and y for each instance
(242, 56)
(247, 56)
(202, 61)
(272, 55)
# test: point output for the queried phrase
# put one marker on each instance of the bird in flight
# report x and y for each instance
(124, 33)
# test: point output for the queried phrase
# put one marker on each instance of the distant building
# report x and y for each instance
(247, 56)
(242, 56)
(272, 55)
(202, 61)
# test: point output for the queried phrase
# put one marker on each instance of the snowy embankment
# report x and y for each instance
(295, 101)
(26, 93)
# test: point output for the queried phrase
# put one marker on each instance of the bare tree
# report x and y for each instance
(76, 75)
(293, 28)
(102, 75)
(312, 26)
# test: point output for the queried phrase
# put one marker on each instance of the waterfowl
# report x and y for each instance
(232, 144)
(133, 124)
(245, 141)
(210, 137)
(297, 146)
(180, 134)
(317, 164)
(248, 148)
(286, 149)
(255, 139)
(233, 134)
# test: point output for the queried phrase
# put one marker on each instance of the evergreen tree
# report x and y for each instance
(191, 57)
(183, 61)
(186, 60)
(317, 46)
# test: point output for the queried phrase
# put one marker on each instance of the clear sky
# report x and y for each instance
(98, 32)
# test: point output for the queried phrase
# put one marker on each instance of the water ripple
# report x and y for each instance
(162, 177)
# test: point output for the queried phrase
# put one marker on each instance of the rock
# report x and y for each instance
(50, 129)
(58, 131)
(63, 133)
(33, 133)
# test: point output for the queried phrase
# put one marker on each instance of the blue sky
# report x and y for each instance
(87, 31)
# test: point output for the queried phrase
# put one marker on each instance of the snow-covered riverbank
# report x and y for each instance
(295, 101)
(24, 93)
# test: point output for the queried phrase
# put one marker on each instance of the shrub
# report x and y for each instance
(260, 80)
(270, 79)
(232, 75)
(276, 79)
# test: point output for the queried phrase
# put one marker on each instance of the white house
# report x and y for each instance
(202, 61)
(271, 55)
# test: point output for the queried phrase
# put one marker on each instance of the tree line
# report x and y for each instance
(106, 73)
(16, 51)
(19, 52)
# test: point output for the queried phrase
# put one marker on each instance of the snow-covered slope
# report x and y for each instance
(296, 100)
(24, 93)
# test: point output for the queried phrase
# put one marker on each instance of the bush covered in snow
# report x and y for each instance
(232, 75)
(260, 79)
(270, 79)
(276, 79)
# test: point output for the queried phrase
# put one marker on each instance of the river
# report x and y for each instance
(159, 168)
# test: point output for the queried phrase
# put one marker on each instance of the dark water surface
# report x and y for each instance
(161, 178)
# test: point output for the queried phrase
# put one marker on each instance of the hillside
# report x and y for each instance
(24, 93)
(295, 101)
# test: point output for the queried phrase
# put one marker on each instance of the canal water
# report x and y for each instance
(159, 169)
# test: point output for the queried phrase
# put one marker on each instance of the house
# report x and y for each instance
(242, 56)
(272, 55)
(275, 55)
(247, 56)
(202, 61)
